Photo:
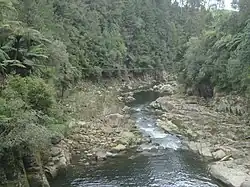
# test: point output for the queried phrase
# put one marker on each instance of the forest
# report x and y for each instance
(48, 47)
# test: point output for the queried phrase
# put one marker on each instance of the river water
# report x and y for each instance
(162, 163)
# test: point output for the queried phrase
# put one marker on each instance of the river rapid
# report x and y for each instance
(162, 163)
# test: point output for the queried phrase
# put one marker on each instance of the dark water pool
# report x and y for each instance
(163, 163)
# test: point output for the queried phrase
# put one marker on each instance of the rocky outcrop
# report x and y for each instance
(215, 135)
(34, 171)
(60, 158)
(101, 139)
(230, 174)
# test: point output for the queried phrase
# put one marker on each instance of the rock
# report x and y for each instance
(109, 154)
(55, 151)
(127, 138)
(56, 139)
(245, 184)
(167, 89)
(101, 155)
(62, 163)
(89, 155)
(119, 148)
(51, 171)
(120, 98)
(86, 163)
(115, 116)
(234, 177)
(129, 99)
(126, 109)
(201, 148)
(162, 103)
(168, 126)
(219, 154)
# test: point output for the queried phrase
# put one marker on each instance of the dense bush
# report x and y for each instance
(48, 46)
(28, 110)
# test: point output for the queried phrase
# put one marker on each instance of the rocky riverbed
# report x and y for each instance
(216, 131)
(101, 129)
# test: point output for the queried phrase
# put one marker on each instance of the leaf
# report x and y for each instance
(32, 55)
(3, 55)
(16, 63)
(19, 65)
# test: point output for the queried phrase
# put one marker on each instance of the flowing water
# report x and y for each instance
(162, 163)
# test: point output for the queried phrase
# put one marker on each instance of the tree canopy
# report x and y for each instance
(48, 46)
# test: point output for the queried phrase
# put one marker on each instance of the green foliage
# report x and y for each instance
(49, 46)
(220, 56)
(28, 110)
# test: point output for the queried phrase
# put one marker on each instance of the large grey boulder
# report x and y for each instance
(245, 183)
(229, 174)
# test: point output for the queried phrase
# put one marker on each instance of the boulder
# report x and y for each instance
(129, 99)
(119, 148)
(162, 103)
(114, 116)
(126, 109)
(219, 154)
(114, 119)
(167, 89)
(127, 138)
(168, 126)
(101, 155)
(229, 175)
(56, 139)
(245, 184)
(55, 151)
(202, 149)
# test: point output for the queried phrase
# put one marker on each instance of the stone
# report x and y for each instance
(56, 139)
(129, 99)
(168, 126)
(89, 155)
(101, 155)
(202, 149)
(164, 104)
(51, 171)
(167, 89)
(126, 109)
(230, 176)
(119, 148)
(115, 116)
(245, 184)
(55, 151)
(127, 138)
(219, 154)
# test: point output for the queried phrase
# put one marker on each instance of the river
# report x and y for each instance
(162, 163)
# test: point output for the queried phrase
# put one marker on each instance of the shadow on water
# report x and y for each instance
(160, 164)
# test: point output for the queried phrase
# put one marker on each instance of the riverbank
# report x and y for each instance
(100, 127)
(216, 131)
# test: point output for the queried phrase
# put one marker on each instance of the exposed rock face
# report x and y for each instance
(60, 158)
(215, 135)
(34, 171)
